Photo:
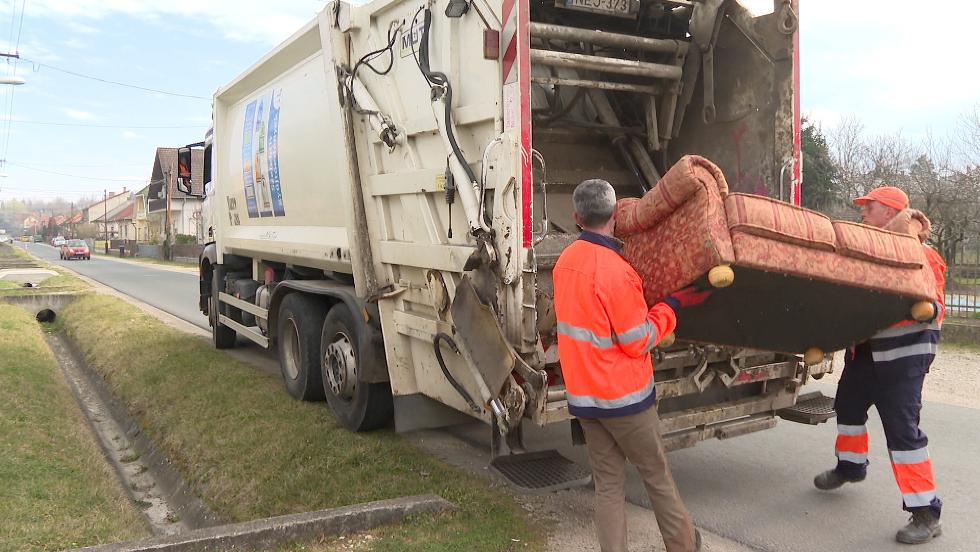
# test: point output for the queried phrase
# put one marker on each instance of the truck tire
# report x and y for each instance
(358, 405)
(222, 336)
(300, 319)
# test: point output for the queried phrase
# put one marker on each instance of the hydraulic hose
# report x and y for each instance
(440, 79)
(441, 336)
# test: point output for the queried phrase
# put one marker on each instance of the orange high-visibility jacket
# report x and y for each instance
(605, 332)
(909, 347)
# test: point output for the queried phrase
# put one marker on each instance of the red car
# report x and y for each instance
(75, 249)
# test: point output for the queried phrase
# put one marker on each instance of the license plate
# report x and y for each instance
(619, 8)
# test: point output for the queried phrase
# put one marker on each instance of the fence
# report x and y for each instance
(963, 291)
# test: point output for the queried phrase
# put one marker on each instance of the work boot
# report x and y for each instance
(922, 527)
(832, 479)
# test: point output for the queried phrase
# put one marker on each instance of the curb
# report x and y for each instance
(269, 532)
(150, 264)
(961, 332)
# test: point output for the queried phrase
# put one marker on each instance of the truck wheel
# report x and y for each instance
(300, 318)
(359, 405)
(222, 336)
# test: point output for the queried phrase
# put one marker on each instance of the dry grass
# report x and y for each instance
(56, 490)
(251, 451)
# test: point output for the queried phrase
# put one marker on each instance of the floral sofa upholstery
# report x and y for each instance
(801, 280)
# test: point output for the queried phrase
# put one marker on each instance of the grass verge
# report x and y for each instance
(253, 452)
(56, 490)
(152, 260)
(63, 281)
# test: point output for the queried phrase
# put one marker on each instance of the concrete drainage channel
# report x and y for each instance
(179, 520)
(165, 501)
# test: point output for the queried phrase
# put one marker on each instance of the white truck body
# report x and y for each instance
(324, 184)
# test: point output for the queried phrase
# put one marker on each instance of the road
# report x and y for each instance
(168, 290)
(756, 490)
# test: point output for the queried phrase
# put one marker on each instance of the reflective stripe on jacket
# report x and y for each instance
(909, 345)
(605, 331)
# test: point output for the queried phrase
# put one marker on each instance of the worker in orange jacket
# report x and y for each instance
(888, 371)
(605, 334)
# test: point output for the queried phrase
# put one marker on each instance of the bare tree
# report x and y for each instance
(969, 136)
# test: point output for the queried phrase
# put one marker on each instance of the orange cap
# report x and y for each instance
(886, 195)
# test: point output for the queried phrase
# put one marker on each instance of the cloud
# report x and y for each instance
(240, 21)
(130, 135)
(82, 28)
(74, 44)
(78, 115)
(823, 118)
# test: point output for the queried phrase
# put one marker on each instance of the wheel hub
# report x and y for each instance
(341, 367)
(291, 345)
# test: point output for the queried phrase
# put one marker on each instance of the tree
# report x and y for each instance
(821, 186)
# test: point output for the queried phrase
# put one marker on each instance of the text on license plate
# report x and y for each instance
(610, 6)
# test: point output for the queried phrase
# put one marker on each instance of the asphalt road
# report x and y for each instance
(756, 490)
(168, 290)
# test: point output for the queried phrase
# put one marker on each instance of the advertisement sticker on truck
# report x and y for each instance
(247, 161)
(260, 156)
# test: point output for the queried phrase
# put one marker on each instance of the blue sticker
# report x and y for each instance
(248, 173)
(260, 151)
(274, 185)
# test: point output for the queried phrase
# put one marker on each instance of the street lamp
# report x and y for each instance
(12, 79)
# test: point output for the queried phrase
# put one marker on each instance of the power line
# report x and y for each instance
(108, 179)
(101, 165)
(20, 27)
(96, 125)
(107, 81)
(10, 105)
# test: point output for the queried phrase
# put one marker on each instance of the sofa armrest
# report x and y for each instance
(683, 180)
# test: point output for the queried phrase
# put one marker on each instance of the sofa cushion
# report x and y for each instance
(780, 221)
(881, 246)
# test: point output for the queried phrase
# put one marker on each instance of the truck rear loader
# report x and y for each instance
(390, 188)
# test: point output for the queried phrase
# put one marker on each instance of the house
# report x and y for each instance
(31, 222)
(185, 210)
(99, 211)
(128, 221)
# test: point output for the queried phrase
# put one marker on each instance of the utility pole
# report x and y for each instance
(71, 221)
(166, 243)
(105, 219)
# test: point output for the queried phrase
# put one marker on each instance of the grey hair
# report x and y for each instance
(594, 201)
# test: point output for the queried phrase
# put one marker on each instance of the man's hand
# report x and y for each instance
(687, 297)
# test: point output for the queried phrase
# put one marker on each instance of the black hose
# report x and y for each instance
(440, 79)
(445, 371)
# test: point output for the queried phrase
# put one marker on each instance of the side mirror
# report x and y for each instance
(184, 170)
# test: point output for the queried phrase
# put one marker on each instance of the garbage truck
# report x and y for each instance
(390, 188)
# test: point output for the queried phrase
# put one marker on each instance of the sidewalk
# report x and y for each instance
(152, 263)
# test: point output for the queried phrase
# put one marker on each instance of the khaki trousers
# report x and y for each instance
(610, 442)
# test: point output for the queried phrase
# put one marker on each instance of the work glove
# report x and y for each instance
(687, 297)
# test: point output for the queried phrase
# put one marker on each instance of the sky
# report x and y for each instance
(897, 65)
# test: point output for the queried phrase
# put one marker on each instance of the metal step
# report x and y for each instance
(813, 408)
(542, 471)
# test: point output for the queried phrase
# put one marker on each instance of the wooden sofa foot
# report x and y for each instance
(923, 310)
(812, 356)
(721, 276)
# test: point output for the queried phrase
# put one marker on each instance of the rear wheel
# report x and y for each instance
(222, 336)
(300, 319)
(359, 405)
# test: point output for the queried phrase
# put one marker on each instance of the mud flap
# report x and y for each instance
(482, 343)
